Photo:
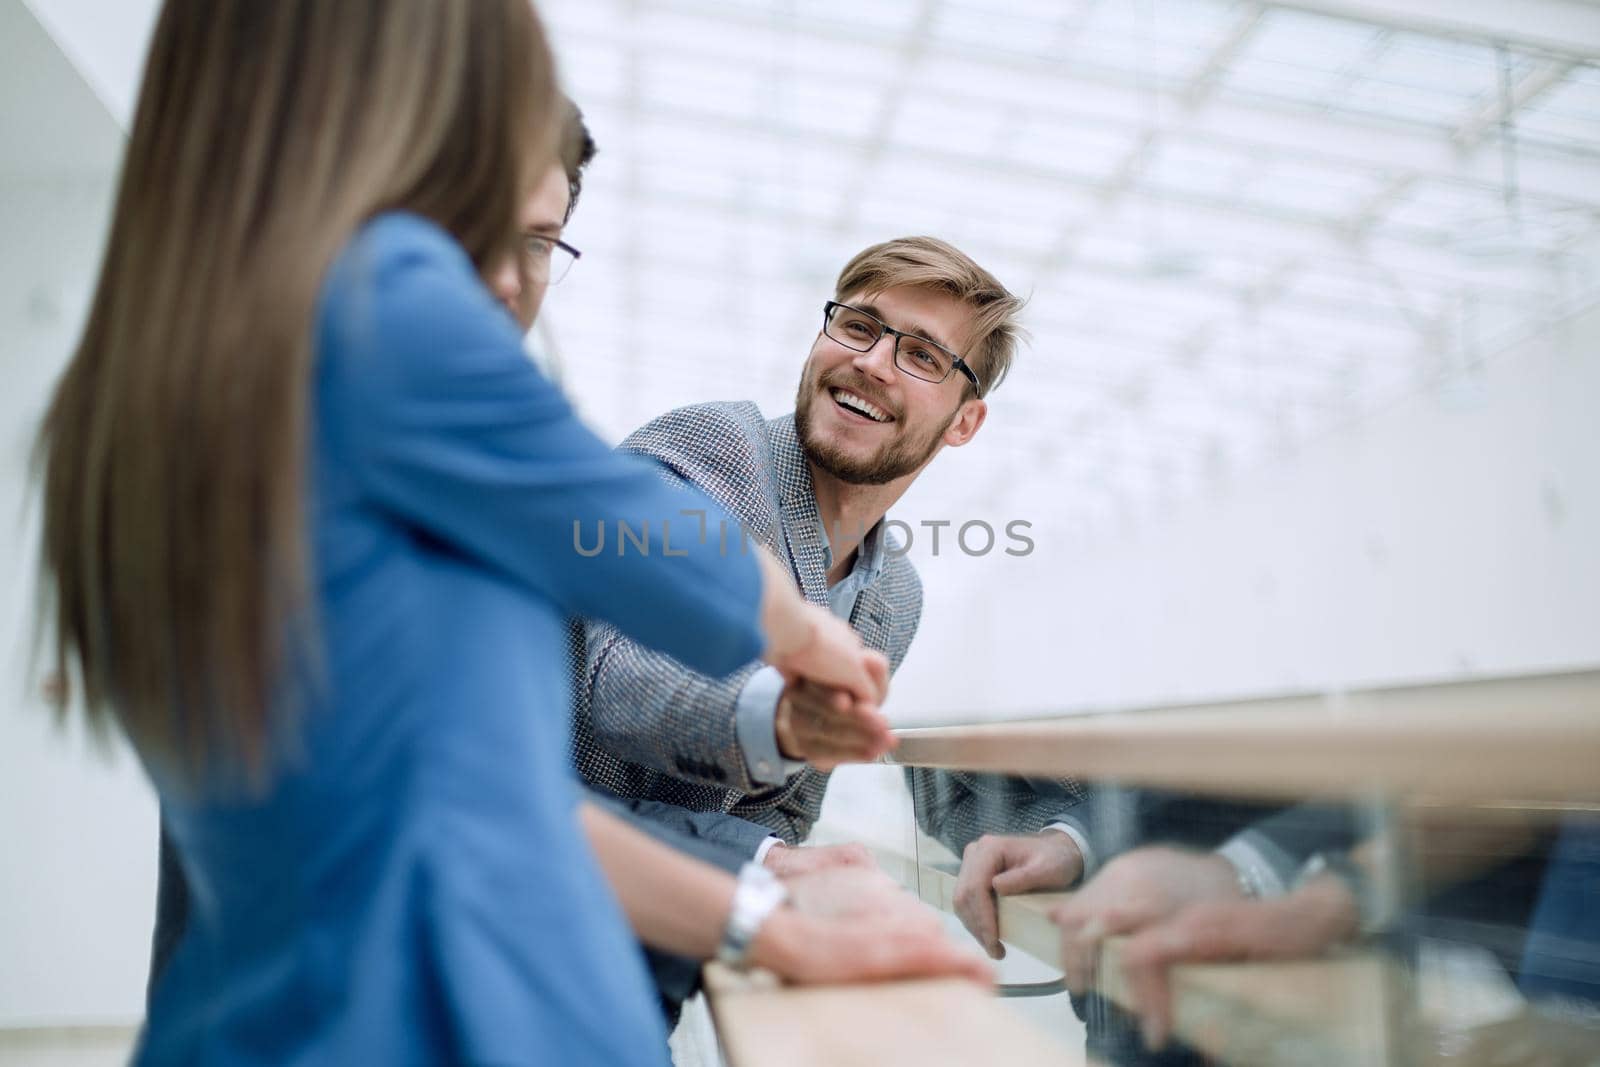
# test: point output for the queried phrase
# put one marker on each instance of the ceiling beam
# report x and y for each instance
(1562, 27)
(1114, 99)
(1251, 226)
(1546, 75)
(1221, 58)
(877, 140)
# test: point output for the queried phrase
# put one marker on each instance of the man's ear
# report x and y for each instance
(967, 421)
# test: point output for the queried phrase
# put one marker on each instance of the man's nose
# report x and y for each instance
(878, 361)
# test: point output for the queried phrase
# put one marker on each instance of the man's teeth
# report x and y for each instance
(855, 403)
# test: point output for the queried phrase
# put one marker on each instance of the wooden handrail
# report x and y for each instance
(1528, 739)
(761, 1023)
(1315, 1012)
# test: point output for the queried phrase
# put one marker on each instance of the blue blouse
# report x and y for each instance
(414, 888)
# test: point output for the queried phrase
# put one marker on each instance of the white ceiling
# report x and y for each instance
(1241, 225)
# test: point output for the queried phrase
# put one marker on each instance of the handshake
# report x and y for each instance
(830, 709)
(825, 726)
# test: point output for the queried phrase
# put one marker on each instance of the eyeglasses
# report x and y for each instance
(547, 259)
(917, 356)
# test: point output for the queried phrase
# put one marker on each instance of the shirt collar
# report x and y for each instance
(869, 554)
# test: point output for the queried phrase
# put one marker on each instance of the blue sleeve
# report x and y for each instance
(449, 427)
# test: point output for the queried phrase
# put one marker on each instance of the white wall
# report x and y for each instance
(78, 874)
(78, 868)
(1452, 535)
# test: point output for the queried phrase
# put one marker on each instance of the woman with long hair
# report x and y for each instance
(309, 542)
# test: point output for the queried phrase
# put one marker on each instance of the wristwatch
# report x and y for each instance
(758, 894)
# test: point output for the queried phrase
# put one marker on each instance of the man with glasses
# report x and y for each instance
(916, 337)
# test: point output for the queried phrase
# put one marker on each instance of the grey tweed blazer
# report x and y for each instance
(646, 726)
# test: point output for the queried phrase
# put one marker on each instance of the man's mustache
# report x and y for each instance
(866, 393)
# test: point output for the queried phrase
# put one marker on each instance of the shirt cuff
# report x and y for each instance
(754, 717)
(766, 846)
(1252, 858)
(1072, 829)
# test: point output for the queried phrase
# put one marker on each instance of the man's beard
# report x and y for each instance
(891, 461)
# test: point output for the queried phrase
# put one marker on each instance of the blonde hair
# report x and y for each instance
(929, 263)
(174, 450)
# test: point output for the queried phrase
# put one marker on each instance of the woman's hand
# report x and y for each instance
(822, 648)
(886, 942)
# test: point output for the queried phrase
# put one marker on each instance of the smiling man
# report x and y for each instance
(915, 339)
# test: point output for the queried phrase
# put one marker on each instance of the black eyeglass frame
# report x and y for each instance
(555, 242)
(956, 364)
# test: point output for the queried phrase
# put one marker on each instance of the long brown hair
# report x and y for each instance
(175, 559)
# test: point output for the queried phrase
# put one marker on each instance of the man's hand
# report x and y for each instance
(1006, 864)
(827, 727)
(786, 862)
(1135, 891)
(1307, 922)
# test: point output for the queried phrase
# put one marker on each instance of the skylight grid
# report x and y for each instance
(1313, 44)
(1328, 203)
(1066, 12)
(1446, 206)
(1053, 145)
(840, 109)
(565, 19)
(676, 83)
(593, 70)
(1318, 187)
(1191, 25)
(1216, 299)
(1007, 86)
(1567, 115)
(1016, 237)
(803, 200)
(664, 31)
(999, 30)
(1159, 63)
(893, 18)
(1427, 106)
(881, 211)
(942, 119)
(1305, 87)
(1466, 70)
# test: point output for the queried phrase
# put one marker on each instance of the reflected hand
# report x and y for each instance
(787, 862)
(1007, 864)
(1135, 891)
(1307, 922)
(827, 727)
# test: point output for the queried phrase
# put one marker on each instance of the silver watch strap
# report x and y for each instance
(756, 896)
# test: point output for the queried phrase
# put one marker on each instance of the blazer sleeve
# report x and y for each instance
(450, 428)
(958, 807)
(1278, 845)
(651, 709)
